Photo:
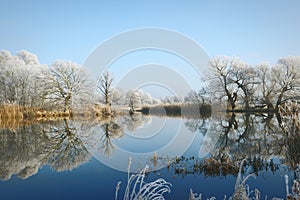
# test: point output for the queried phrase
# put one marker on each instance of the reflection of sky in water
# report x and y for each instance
(151, 137)
(151, 129)
(170, 138)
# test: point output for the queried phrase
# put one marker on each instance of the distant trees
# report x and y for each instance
(110, 95)
(172, 99)
(137, 98)
(117, 96)
(197, 97)
(134, 99)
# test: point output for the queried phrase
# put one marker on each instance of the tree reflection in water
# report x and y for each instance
(258, 138)
(135, 121)
(212, 167)
(68, 150)
(64, 144)
(25, 150)
(111, 130)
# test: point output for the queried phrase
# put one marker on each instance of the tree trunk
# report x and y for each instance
(279, 99)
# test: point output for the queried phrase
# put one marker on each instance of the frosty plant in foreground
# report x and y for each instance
(137, 188)
(241, 190)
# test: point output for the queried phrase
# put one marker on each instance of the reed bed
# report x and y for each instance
(178, 110)
(13, 116)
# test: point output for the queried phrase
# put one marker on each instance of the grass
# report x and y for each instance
(242, 190)
(137, 188)
(11, 111)
(13, 116)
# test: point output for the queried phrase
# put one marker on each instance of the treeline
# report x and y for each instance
(65, 85)
(243, 86)
(26, 82)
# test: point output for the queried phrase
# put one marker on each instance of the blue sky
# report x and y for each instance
(255, 31)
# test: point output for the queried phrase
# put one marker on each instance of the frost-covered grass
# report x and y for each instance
(138, 189)
(243, 192)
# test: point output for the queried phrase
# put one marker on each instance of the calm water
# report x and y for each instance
(85, 159)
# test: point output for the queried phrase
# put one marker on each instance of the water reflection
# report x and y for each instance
(259, 137)
(25, 150)
(111, 130)
(65, 144)
(210, 167)
(197, 125)
(67, 151)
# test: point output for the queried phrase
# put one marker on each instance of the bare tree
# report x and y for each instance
(243, 76)
(196, 97)
(66, 85)
(105, 87)
(220, 85)
(287, 76)
(265, 90)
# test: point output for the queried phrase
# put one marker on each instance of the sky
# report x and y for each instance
(256, 31)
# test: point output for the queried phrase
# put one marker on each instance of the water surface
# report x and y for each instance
(85, 159)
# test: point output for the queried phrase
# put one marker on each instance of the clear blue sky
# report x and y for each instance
(255, 31)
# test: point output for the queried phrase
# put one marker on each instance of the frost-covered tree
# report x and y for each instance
(146, 98)
(122, 97)
(28, 83)
(287, 77)
(66, 85)
(172, 100)
(244, 78)
(196, 97)
(220, 84)
(28, 58)
(264, 93)
(134, 99)
(117, 96)
(105, 87)
(18, 78)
